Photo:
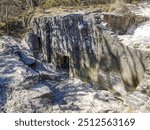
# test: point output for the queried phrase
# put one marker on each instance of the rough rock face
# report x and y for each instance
(108, 71)
(89, 43)
(101, 48)
(73, 95)
(20, 89)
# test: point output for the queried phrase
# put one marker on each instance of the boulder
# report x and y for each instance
(94, 42)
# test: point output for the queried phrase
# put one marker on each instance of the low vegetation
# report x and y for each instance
(13, 12)
(51, 3)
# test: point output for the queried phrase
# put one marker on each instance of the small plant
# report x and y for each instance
(132, 1)
(51, 3)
